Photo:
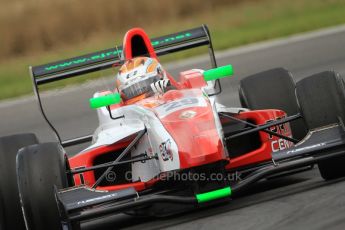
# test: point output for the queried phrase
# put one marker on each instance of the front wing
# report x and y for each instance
(79, 204)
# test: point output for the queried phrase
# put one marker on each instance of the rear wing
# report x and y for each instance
(104, 59)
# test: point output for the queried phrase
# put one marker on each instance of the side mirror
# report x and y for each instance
(106, 100)
(217, 73)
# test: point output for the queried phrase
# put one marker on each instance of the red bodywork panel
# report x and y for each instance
(195, 135)
(269, 143)
(192, 79)
(137, 36)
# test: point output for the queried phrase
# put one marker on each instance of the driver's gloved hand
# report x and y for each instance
(161, 86)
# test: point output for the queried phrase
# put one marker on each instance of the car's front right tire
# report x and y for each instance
(40, 168)
(10, 212)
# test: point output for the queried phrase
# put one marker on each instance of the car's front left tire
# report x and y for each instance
(322, 101)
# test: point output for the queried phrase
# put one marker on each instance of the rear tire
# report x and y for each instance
(39, 169)
(332, 168)
(273, 89)
(10, 212)
(322, 101)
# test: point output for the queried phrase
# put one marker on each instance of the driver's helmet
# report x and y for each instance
(136, 75)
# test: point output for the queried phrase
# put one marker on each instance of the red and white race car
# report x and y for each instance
(174, 151)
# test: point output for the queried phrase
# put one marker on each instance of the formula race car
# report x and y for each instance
(171, 151)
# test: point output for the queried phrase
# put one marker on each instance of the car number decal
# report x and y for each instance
(174, 106)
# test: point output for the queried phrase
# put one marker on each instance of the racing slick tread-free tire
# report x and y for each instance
(272, 89)
(10, 212)
(40, 168)
(322, 101)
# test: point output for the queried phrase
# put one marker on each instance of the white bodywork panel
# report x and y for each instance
(137, 118)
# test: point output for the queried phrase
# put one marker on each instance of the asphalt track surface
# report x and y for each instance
(300, 201)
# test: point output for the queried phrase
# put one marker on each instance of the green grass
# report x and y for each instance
(243, 23)
(279, 19)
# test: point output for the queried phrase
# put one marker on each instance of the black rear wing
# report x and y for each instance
(104, 59)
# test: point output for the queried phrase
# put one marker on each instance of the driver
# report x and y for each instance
(141, 76)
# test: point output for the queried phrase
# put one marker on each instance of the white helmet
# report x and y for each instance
(136, 75)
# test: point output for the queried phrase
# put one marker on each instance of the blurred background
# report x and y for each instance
(34, 32)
